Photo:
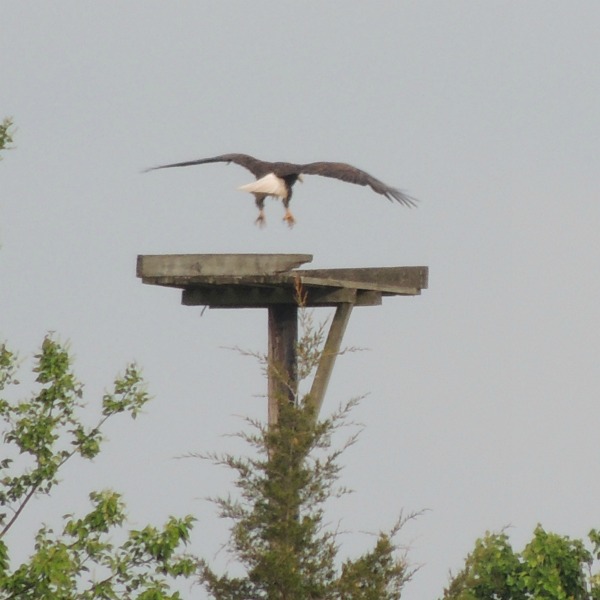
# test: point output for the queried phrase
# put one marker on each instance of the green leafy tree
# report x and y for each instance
(278, 535)
(551, 567)
(6, 135)
(80, 562)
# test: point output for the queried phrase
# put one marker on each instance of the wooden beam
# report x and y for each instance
(240, 296)
(282, 360)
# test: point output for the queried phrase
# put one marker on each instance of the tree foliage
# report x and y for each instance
(80, 561)
(551, 567)
(6, 134)
(278, 534)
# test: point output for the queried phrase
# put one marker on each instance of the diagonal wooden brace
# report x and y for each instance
(329, 354)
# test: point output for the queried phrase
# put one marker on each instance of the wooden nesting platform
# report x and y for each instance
(264, 280)
(274, 282)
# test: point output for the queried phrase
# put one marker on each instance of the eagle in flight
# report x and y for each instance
(277, 179)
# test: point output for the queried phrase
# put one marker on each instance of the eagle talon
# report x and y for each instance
(289, 219)
(260, 220)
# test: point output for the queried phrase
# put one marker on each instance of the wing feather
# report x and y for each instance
(350, 174)
(257, 167)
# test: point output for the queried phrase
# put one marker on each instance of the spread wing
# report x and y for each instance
(351, 174)
(257, 167)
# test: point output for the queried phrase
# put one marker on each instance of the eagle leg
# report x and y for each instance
(288, 217)
(260, 204)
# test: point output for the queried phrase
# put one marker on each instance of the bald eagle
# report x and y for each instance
(277, 179)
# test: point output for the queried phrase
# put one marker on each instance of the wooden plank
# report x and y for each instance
(219, 281)
(403, 277)
(373, 286)
(192, 265)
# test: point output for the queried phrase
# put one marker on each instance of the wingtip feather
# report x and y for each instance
(399, 196)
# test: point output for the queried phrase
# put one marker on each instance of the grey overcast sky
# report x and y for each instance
(483, 393)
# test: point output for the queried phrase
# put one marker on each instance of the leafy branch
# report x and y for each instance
(46, 428)
(138, 566)
(80, 562)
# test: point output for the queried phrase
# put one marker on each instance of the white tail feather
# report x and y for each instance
(269, 184)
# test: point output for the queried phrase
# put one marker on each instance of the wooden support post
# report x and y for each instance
(282, 367)
(330, 351)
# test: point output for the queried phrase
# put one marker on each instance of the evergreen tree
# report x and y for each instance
(278, 533)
